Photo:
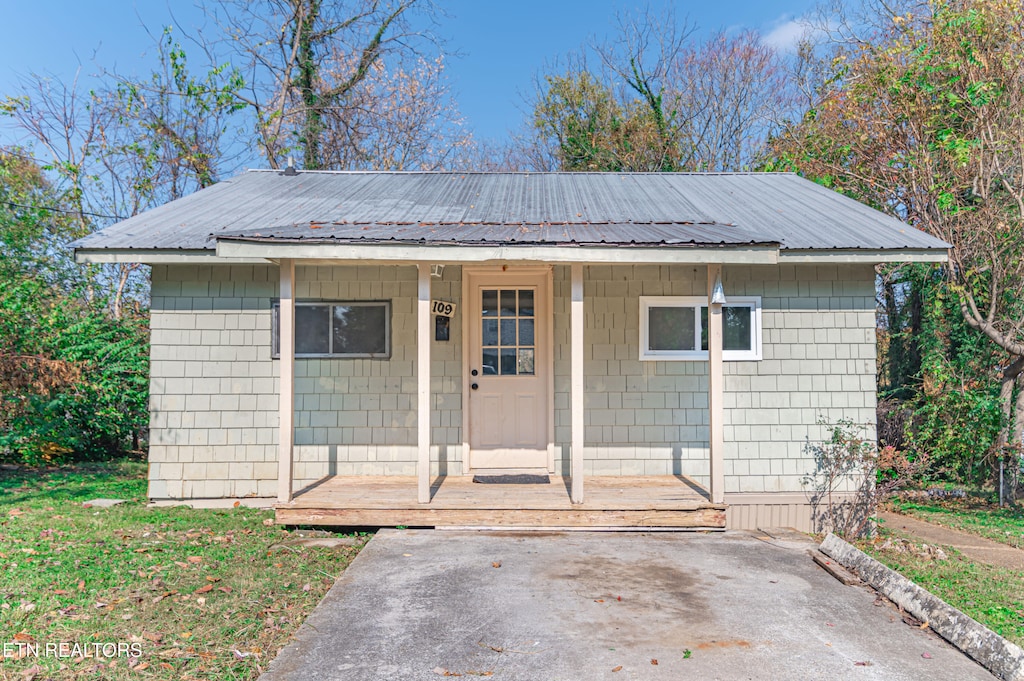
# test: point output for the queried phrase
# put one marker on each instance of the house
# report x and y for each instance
(357, 346)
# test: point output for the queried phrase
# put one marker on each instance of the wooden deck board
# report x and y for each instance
(655, 501)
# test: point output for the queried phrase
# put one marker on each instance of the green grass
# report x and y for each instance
(993, 596)
(1004, 525)
(198, 591)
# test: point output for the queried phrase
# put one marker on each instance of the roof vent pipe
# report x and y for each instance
(290, 170)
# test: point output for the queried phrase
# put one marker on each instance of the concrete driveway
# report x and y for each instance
(425, 604)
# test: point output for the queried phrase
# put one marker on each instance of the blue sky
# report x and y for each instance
(502, 44)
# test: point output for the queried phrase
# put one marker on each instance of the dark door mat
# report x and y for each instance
(522, 479)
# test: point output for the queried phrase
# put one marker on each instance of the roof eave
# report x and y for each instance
(749, 254)
(838, 256)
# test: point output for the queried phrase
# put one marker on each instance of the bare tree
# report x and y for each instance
(659, 102)
(736, 91)
(310, 67)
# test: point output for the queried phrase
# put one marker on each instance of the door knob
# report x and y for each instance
(474, 372)
(474, 386)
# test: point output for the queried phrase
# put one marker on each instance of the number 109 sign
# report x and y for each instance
(442, 308)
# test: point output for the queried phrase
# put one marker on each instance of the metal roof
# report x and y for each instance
(672, 209)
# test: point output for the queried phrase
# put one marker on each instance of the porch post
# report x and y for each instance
(286, 380)
(576, 383)
(716, 408)
(423, 384)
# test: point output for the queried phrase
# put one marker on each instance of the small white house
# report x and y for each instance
(358, 346)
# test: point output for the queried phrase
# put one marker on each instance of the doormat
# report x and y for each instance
(522, 479)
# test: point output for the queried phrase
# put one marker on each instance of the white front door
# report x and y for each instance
(509, 376)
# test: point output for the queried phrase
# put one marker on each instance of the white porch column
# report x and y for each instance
(716, 407)
(576, 385)
(423, 384)
(286, 381)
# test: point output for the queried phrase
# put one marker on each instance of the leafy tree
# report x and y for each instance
(926, 122)
(72, 377)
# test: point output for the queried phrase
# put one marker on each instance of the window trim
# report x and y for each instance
(697, 303)
(275, 328)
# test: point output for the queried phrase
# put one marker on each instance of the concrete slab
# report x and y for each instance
(416, 605)
(102, 503)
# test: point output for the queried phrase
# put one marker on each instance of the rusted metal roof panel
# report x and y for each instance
(516, 208)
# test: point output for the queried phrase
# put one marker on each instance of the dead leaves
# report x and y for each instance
(31, 673)
(496, 564)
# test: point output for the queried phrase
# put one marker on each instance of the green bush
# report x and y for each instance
(98, 413)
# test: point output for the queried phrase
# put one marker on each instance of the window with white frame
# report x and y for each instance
(675, 328)
(338, 329)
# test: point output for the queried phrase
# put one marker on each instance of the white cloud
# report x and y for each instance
(784, 33)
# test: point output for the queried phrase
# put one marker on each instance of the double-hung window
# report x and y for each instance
(338, 329)
(675, 328)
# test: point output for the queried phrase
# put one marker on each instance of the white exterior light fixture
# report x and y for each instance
(717, 292)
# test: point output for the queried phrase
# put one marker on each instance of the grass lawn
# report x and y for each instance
(993, 596)
(1005, 525)
(197, 593)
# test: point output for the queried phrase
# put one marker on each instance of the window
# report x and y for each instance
(350, 329)
(675, 328)
(507, 332)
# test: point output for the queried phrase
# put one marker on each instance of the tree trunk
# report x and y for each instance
(306, 16)
(1017, 440)
(1013, 417)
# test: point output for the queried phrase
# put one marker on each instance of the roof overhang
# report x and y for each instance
(157, 256)
(748, 254)
(256, 252)
(853, 256)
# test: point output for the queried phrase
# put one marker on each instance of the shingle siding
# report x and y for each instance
(214, 387)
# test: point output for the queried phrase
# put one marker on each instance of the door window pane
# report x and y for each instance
(525, 364)
(312, 325)
(508, 361)
(526, 332)
(508, 332)
(490, 304)
(736, 327)
(508, 303)
(671, 328)
(525, 303)
(490, 335)
(360, 329)
(490, 362)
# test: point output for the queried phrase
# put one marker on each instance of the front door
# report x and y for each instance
(510, 369)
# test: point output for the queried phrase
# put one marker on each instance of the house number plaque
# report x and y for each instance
(442, 308)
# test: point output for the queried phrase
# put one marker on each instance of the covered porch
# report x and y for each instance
(569, 500)
(612, 502)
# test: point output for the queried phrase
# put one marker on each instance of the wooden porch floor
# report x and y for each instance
(610, 502)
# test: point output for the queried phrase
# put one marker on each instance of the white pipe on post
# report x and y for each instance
(576, 386)
(286, 381)
(716, 403)
(423, 384)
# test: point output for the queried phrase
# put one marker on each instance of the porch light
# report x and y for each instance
(717, 292)
(436, 271)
